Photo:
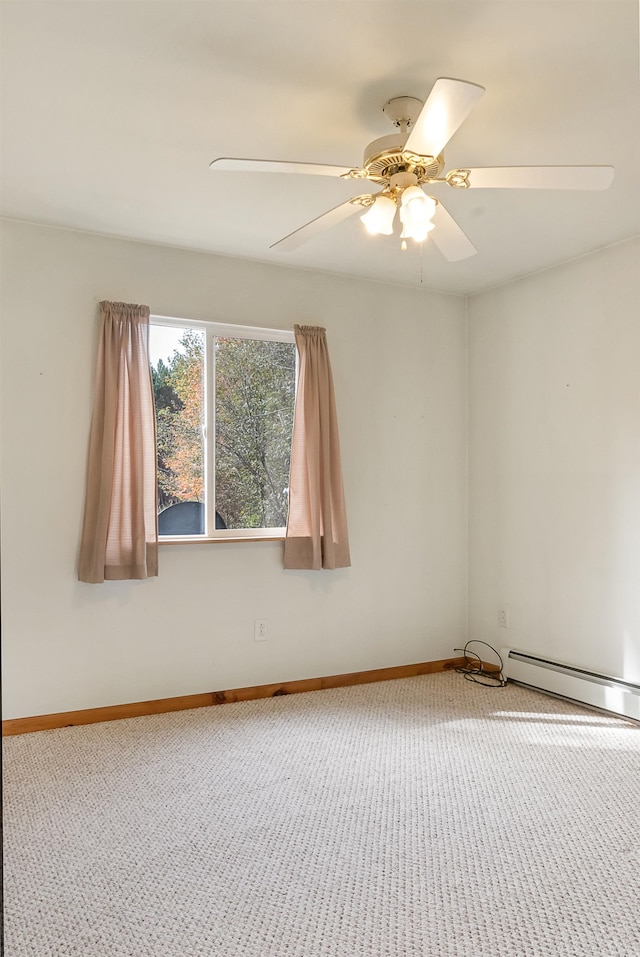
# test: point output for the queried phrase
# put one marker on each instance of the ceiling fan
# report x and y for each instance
(405, 162)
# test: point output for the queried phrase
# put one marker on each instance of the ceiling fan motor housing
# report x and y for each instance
(384, 157)
(384, 146)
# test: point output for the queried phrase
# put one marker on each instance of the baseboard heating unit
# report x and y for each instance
(584, 687)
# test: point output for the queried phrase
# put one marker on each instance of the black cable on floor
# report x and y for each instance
(474, 668)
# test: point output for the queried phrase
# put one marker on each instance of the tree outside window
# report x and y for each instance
(250, 386)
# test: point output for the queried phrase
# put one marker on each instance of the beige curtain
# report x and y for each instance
(317, 534)
(119, 533)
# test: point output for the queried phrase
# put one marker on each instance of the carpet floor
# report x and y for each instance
(426, 817)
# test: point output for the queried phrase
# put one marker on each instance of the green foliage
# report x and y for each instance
(255, 386)
(179, 397)
(165, 396)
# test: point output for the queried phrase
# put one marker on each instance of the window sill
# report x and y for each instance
(203, 540)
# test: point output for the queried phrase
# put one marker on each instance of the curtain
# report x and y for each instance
(119, 533)
(317, 535)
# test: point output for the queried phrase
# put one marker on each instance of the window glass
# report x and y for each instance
(239, 389)
(255, 389)
(178, 382)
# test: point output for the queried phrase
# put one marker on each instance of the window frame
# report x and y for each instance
(212, 330)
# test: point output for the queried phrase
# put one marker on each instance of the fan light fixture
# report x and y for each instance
(378, 219)
(416, 211)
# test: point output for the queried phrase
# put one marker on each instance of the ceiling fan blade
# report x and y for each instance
(449, 237)
(236, 164)
(317, 225)
(540, 177)
(447, 106)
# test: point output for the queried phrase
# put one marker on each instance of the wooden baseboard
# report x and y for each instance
(69, 719)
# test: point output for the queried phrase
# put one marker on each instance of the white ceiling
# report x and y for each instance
(112, 111)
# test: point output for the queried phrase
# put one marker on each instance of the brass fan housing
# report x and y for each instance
(385, 157)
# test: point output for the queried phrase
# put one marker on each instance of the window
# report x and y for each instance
(224, 415)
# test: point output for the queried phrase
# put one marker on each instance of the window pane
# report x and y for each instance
(255, 391)
(177, 367)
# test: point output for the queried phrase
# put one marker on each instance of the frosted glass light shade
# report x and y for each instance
(415, 198)
(378, 219)
(416, 211)
(416, 232)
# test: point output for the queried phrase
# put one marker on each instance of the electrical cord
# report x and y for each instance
(474, 668)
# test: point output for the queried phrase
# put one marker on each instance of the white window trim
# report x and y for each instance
(212, 329)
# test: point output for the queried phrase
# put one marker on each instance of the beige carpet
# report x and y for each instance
(427, 816)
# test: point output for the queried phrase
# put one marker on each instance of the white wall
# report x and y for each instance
(398, 358)
(554, 399)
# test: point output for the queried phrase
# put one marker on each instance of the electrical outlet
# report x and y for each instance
(503, 617)
(260, 629)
